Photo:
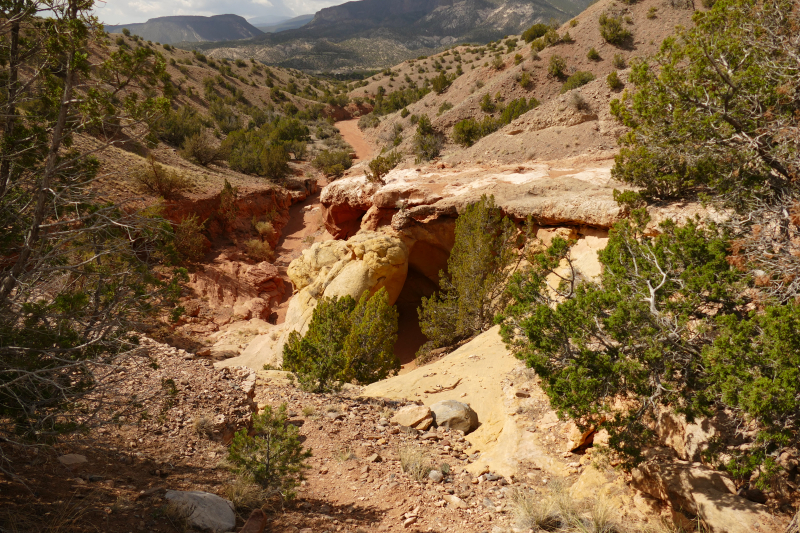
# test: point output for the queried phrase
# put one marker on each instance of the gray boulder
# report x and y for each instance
(454, 415)
(203, 510)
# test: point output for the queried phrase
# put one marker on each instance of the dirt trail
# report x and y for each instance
(355, 137)
(305, 227)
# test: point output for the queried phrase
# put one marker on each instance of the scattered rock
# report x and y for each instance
(414, 416)
(452, 414)
(73, 461)
(206, 511)
(455, 501)
(374, 458)
(435, 476)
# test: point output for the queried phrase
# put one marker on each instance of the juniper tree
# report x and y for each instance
(75, 272)
(471, 290)
(717, 110)
(346, 341)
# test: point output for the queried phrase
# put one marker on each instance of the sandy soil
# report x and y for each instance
(355, 137)
(305, 227)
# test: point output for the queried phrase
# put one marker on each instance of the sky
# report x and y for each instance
(131, 11)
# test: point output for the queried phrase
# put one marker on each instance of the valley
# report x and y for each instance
(505, 287)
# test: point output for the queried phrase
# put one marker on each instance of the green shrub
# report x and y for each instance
(612, 30)
(517, 59)
(525, 81)
(444, 108)
(368, 121)
(258, 250)
(428, 142)
(159, 180)
(557, 67)
(441, 83)
(274, 162)
(466, 132)
(244, 150)
(201, 149)
(404, 113)
(515, 109)
(534, 32)
(175, 126)
(694, 344)
(225, 117)
(273, 456)
(593, 54)
(651, 13)
(189, 240)
(345, 342)
(487, 104)
(498, 63)
(578, 79)
(332, 163)
(619, 61)
(381, 165)
(613, 81)
(472, 289)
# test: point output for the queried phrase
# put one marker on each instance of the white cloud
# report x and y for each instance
(130, 11)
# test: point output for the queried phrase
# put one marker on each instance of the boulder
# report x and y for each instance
(73, 461)
(453, 414)
(368, 261)
(688, 440)
(204, 511)
(414, 416)
(700, 491)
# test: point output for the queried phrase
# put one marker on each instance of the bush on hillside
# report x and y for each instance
(381, 165)
(346, 342)
(160, 180)
(177, 125)
(472, 289)
(333, 163)
(441, 83)
(270, 452)
(534, 32)
(226, 118)
(428, 143)
(368, 121)
(202, 149)
(189, 240)
(613, 81)
(593, 54)
(752, 151)
(576, 80)
(612, 30)
(487, 104)
(274, 163)
(557, 67)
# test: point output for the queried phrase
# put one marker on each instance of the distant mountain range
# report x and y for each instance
(369, 34)
(170, 30)
(283, 25)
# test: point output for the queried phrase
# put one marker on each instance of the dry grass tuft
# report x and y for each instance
(414, 462)
(344, 453)
(203, 426)
(245, 495)
(558, 511)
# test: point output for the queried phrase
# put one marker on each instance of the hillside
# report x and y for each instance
(377, 33)
(171, 30)
(496, 72)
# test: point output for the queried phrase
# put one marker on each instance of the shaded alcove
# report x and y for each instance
(409, 336)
